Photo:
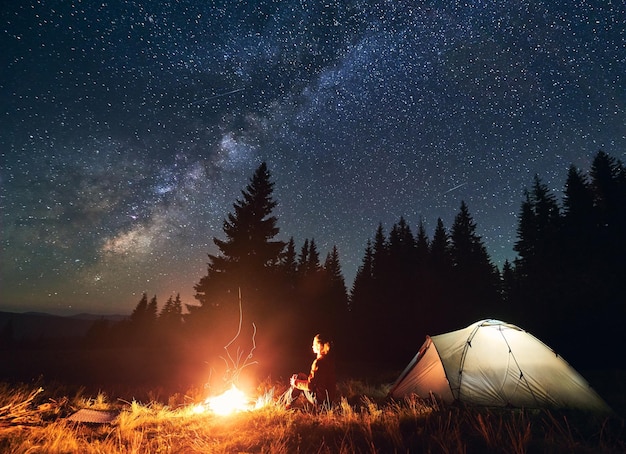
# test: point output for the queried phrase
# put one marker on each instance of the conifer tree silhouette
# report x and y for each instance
(248, 256)
(474, 277)
(335, 302)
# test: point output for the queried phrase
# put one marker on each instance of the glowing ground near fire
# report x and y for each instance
(363, 421)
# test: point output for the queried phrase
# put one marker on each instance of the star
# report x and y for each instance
(128, 130)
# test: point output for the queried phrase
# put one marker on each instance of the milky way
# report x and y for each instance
(129, 128)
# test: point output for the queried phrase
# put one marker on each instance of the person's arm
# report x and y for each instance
(299, 383)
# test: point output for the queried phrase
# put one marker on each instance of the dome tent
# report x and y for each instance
(493, 363)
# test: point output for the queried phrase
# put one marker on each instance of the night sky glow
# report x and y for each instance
(129, 128)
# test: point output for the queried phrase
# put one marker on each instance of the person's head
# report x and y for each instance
(321, 345)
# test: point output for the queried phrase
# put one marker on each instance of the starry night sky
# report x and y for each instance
(129, 128)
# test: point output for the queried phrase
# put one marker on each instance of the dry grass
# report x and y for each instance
(364, 421)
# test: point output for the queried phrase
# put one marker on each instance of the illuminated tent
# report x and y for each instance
(493, 363)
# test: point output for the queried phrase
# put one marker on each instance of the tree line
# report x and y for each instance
(565, 286)
(147, 326)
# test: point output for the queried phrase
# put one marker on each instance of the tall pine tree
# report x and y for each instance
(474, 277)
(335, 303)
(538, 266)
(248, 258)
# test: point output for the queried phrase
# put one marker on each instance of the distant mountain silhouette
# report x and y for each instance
(86, 316)
(36, 325)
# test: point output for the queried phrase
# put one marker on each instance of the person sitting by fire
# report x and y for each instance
(319, 386)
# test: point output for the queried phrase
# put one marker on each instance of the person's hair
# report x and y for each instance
(324, 342)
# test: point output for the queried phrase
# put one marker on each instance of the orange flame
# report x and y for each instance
(230, 401)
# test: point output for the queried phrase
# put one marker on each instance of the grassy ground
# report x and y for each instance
(35, 420)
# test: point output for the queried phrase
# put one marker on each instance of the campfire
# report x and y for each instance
(230, 401)
(234, 400)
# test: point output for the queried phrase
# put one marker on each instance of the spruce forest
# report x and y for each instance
(263, 299)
